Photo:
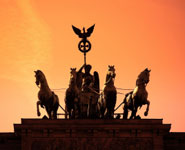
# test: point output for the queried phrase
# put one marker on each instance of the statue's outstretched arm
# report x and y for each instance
(80, 70)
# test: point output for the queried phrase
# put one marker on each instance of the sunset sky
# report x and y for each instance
(130, 34)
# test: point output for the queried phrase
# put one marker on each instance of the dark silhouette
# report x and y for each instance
(107, 100)
(79, 78)
(83, 34)
(138, 96)
(47, 98)
(71, 96)
(89, 92)
(83, 92)
(84, 45)
(87, 79)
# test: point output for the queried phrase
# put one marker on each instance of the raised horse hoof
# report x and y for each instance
(146, 113)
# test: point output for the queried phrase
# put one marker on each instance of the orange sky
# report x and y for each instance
(132, 35)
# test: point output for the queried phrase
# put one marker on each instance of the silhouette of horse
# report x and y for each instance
(107, 99)
(71, 96)
(47, 98)
(138, 96)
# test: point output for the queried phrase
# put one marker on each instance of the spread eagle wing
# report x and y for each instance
(77, 31)
(89, 31)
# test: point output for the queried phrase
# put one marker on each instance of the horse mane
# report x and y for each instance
(72, 80)
(43, 78)
(143, 73)
(108, 76)
(39, 71)
(142, 76)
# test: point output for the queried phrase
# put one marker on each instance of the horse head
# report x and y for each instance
(143, 77)
(39, 77)
(111, 71)
(110, 74)
(73, 75)
(73, 72)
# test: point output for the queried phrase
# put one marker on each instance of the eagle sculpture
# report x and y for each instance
(83, 34)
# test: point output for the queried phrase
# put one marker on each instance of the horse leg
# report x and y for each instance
(75, 108)
(65, 112)
(55, 108)
(109, 113)
(49, 113)
(136, 113)
(38, 112)
(69, 113)
(55, 112)
(125, 114)
(133, 114)
(73, 113)
(79, 110)
(112, 113)
(147, 109)
(99, 109)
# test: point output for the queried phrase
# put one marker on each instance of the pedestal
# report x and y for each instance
(116, 134)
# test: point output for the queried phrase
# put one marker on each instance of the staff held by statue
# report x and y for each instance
(84, 45)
